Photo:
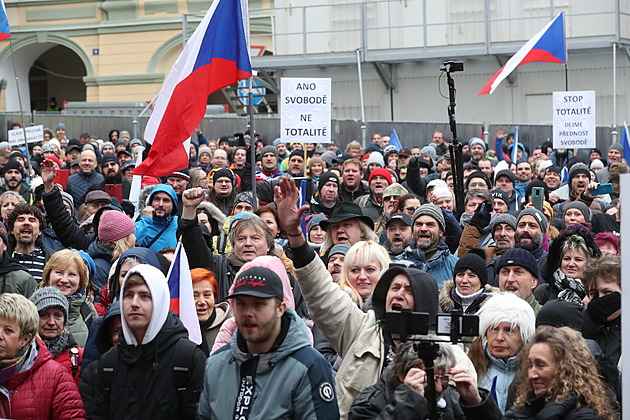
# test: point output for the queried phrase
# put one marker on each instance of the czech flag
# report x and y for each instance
(548, 45)
(625, 141)
(214, 57)
(182, 300)
(5, 31)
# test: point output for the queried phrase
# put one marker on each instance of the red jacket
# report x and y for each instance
(45, 391)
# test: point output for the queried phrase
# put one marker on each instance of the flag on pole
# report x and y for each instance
(625, 142)
(136, 184)
(5, 30)
(548, 45)
(394, 140)
(215, 56)
(515, 145)
(182, 300)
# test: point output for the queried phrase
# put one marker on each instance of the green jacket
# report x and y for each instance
(76, 324)
(25, 192)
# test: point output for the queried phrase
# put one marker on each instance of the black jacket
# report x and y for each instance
(142, 386)
(350, 196)
(65, 226)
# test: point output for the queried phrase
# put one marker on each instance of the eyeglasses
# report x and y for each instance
(443, 378)
(411, 209)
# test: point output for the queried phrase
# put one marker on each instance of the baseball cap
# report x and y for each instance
(258, 282)
(401, 217)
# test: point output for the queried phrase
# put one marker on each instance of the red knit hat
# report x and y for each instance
(115, 225)
(382, 172)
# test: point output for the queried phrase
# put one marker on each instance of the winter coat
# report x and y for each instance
(370, 206)
(440, 265)
(147, 370)
(351, 196)
(65, 359)
(384, 401)
(222, 314)
(42, 389)
(102, 256)
(25, 192)
(498, 377)
(148, 228)
(291, 381)
(65, 226)
(14, 278)
(79, 183)
(358, 336)
(99, 339)
(217, 218)
(537, 408)
(76, 325)
(470, 239)
(449, 299)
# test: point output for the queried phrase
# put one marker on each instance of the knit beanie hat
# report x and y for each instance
(429, 151)
(578, 168)
(49, 297)
(479, 174)
(382, 172)
(583, 208)
(67, 198)
(442, 192)
(339, 249)
(518, 257)
(115, 225)
(477, 140)
(297, 152)
(597, 164)
(553, 168)
(502, 195)
(538, 216)
(244, 197)
(223, 173)
(13, 164)
(204, 149)
(395, 190)
(327, 177)
(617, 147)
(269, 149)
(474, 262)
(3, 234)
(314, 221)
(375, 157)
(560, 313)
(430, 210)
(506, 218)
(181, 174)
(507, 173)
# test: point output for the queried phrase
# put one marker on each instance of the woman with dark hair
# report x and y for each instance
(568, 256)
(408, 204)
(270, 217)
(114, 135)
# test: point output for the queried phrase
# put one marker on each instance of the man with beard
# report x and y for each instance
(296, 163)
(428, 251)
(13, 174)
(501, 228)
(335, 260)
(352, 175)
(524, 176)
(372, 204)
(156, 229)
(579, 179)
(531, 226)
(110, 168)
(179, 181)
(25, 227)
(398, 234)
(518, 274)
(79, 183)
(477, 148)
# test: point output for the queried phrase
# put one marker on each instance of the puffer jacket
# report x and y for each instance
(291, 381)
(358, 336)
(42, 389)
(79, 183)
(76, 325)
(148, 228)
(498, 377)
(440, 265)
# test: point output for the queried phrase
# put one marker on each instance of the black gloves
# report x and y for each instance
(599, 309)
(481, 217)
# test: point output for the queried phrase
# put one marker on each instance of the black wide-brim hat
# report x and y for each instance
(345, 211)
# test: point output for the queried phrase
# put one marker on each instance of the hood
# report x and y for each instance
(145, 255)
(522, 147)
(214, 212)
(103, 339)
(170, 191)
(7, 264)
(144, 196)
(423, 285)
(160, 296)
(97, 249)
(275, 265)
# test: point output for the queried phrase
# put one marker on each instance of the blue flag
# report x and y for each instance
(394, 141)
(625, 141)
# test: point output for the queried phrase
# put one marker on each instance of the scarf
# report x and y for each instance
(58, 344)
(203, 326)
(571, 290)
(466, 301)
(9, 366)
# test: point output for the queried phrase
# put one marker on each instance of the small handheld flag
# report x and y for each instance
(182, 300)
(394, 140)
(625, 141)
(548, 45)
(215, 56)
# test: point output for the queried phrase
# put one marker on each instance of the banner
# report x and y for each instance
(305, 110)
(574, 120)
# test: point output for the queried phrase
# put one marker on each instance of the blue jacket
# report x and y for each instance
(79, 183)
(292, 382)
(498, 377)
(441, 265)
(148, 228)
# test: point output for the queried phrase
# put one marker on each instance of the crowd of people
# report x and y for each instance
(295, 284)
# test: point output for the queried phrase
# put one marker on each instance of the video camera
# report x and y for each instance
(452, 66)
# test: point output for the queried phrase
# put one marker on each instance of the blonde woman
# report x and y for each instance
(361, 270)
(69, 271)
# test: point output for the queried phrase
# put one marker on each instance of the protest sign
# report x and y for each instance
(33, 135)
(305, 110)
(574, 120)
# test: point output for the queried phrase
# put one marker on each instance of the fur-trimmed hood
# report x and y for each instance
(214, 212)
(446, 300)
(144, 196)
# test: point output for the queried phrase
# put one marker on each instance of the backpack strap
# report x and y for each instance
(86, 314)
(156, 237)
(182, 362)
(108, 363)
(221, 243)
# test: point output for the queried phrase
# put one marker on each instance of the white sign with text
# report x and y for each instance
(34, 134)
(305, 110)
(574, 120)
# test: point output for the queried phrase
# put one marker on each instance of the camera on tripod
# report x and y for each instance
(455, 324)
(452, 66)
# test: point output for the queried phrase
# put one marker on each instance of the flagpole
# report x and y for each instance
(566, 77)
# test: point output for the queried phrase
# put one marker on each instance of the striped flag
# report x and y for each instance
(5, 30)
(182, 300)
(215, 56)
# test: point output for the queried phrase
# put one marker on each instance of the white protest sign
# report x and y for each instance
(33, 135)
(305, 110)
(574, 120)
